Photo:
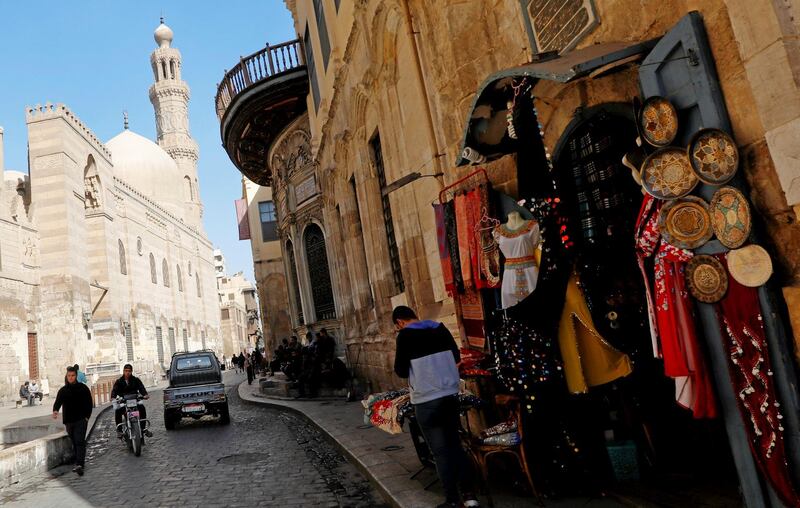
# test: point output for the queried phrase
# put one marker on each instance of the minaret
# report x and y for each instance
(170, 98)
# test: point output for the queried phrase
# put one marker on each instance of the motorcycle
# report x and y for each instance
(131, 426)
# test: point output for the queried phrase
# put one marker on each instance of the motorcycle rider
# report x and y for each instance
(126, 385)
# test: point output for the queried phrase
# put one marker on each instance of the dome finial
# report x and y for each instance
(125, 119)
(163, 34)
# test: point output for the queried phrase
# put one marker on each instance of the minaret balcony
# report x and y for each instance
(256, 100)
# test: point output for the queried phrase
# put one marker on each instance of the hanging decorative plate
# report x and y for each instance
(750, 265)
(667, 174)
(658, 121)
(706, 278)
(685, 223)
(713, 155)
(730, 217)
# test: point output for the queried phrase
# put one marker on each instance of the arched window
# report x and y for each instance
(180, 278)
(165, 272)
(172, 69)
(187, 182)
(318, 273)
(164, 68)
(197, 279)
(153, 274)
(123, 265)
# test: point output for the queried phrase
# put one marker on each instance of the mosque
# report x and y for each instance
(103, 256)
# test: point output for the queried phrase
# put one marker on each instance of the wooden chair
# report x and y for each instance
(481, 452)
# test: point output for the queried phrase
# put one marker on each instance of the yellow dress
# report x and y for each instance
(589, 360)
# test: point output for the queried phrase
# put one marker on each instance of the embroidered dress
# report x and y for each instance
(521, 271)
(751, 375)
(671, 318)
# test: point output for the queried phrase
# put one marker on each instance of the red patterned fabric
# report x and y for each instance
(463, 232)
(474, 207)
(751, 375)
(472, 318)
(671, 315)
(646, 243)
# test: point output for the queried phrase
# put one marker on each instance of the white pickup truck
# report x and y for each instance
(195, 389)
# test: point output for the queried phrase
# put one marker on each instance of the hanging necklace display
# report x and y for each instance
(658, 121)
(750, 266)
(685, 223)
(713, 155)
(706, 278)
(490, 251)
(730, 217)
(518, 88)
(667, 174)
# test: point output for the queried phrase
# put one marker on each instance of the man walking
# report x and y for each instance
(427, 355)
(76, 399)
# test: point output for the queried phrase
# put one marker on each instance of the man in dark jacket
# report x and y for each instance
(427, 355)
(129, 384)
(76, 399)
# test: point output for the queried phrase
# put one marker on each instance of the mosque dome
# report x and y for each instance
(146, 167)
(163, 35)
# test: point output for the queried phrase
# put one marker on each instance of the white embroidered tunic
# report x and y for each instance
(519, 248)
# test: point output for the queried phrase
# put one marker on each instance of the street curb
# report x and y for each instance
(24, 460)
(276, 404)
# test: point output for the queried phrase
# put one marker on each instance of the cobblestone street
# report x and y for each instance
(266, 457)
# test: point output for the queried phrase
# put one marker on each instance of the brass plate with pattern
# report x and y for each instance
(706, 278)
(667, 174)
(658, 121)
(685, 223)
(730, 217)
(713, 155)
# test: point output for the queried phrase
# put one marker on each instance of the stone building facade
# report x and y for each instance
(102, 261)
(391, 84)
(268, 267)
(239, 320)
(304, 235)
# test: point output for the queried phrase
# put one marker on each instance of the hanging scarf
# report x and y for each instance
(472, 317)
(474, 206)
(452, 244)
(444, 250)
(672, 322)
(647, 237)
(463, 235)
(751, 375)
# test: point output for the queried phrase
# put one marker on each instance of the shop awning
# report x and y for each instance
(486, 121)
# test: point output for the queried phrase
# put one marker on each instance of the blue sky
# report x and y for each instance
(94, 56)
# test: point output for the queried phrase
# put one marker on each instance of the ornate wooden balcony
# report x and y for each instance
(256, 100)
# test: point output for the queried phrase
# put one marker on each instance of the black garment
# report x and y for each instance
(129, 387)
(439, 422)
(77, 434)
(452, 244)
(76, 399)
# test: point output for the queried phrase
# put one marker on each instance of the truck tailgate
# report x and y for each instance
(190, 394)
